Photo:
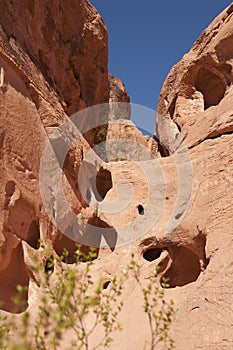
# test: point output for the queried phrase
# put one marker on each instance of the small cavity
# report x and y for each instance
(141, 210)
(10, 188)
(152, 254)
(106, 284)
(103, 183)
(211, 86)
(185, 267)
(33, 235)
(178, 216)
(172, 107)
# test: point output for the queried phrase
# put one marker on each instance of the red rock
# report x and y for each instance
(174, 210)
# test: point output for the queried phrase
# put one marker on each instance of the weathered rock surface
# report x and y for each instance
(195, 97)
(174, 210)
(196, 103)
(67, 41)
(117, 94)
(53, 63)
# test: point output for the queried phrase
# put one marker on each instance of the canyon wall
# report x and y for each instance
(173, 205)
(54, 63)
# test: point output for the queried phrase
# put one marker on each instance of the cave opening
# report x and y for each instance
(103, 183)
(33, 235)
(211, 86)
(152, 254)
(106, 284)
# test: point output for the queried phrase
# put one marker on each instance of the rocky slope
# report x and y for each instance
(174, 210)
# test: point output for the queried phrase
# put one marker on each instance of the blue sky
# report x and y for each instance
(146, 38)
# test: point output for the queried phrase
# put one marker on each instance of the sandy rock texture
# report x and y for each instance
(53, 64)
(67, 41)
(195, 108)
(170, 206)
(191, 230)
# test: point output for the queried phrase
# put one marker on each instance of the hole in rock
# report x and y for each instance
(178, 216)
(9, 191)
(13, 275)
(10, 188)
(185, 267)
(33, 235)
(211, 86)
(152, 254)
(172, 107)
(106, 284)
(141, 210)
(103, 183)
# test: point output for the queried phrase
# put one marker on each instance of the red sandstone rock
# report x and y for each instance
(187, 215)
(53, 63)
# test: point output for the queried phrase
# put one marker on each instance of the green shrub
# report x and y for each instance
(71, 298)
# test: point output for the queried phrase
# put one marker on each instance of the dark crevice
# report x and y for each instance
(172, 107)
(214, 135)
(217, 134)
(178, 126)
(33, 235)
(106, 284)
(163, 151)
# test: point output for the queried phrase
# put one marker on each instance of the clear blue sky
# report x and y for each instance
(146, 38)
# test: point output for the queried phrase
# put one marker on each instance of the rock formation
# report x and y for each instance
(53, 63)
(196, 101)
(172, 207)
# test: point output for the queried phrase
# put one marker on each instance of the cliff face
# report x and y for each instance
(196, 106)
(66, 41)
(175, 210)
(53, 59)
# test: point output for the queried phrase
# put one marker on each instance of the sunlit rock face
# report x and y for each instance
(53, 64)
(195, 112)
(167, 200)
